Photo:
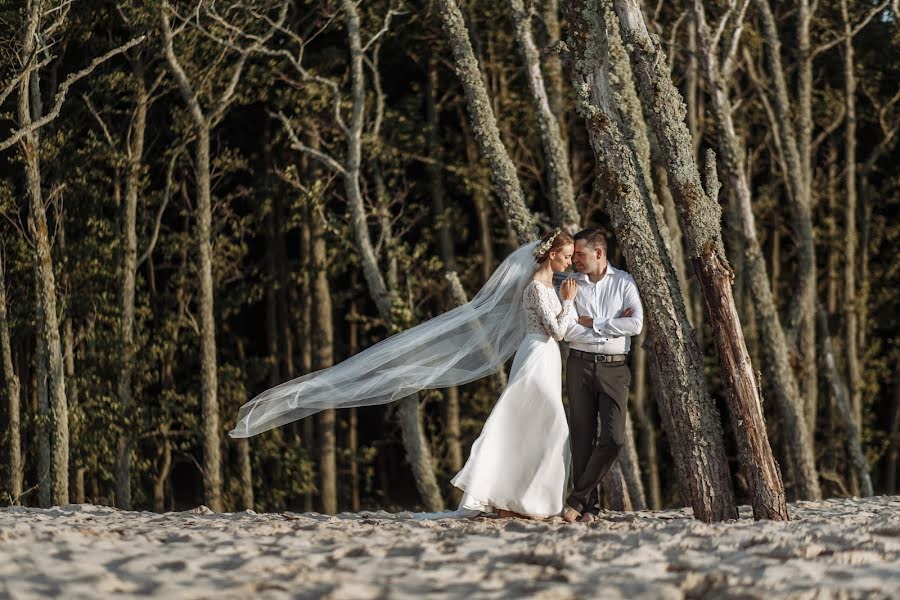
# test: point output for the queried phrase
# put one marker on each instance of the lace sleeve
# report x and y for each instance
(555, 319)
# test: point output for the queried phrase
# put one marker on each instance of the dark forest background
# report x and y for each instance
(174, 243)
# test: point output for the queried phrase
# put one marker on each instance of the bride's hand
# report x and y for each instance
(568, 288)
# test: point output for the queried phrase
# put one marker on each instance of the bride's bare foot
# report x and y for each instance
(570, 515)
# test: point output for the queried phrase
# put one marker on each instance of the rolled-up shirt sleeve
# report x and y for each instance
(579, 333)
(618, 326)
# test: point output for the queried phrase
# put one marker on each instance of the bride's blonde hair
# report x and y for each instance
(552, 240)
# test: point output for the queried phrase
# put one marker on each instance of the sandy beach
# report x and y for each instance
(843, 548)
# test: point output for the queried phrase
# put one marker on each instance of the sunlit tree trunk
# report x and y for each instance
(484, 123)
(688, 412)
(323, 357)
(556, 157)
(13, 428)
(780, 376)
(29, 108)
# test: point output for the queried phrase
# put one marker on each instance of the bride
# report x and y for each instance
(519, 463)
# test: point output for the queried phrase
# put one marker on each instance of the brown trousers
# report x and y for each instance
(598, 392)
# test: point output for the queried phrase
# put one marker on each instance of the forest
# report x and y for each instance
(201, 199)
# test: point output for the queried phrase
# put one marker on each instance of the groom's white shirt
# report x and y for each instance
(604, 301)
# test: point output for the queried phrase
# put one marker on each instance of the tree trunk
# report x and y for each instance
(553, 64)
(647, 435)
(275, 376)
(28, 109)
(700, 215)
(686, 407)
(164, 453)
(353, 417)
(631, 468)
(562, 196)
(304, 334)
(414, 441)
(484, 123)
(616, 489)
(323, 357)
(481, 199)
(13, 428)
(893, 453)
(802, 311)
(448, 256)
(851, 241)
(780, 377)
(45, 495)
(212, 461)
(851, 428)
(834, 237)
(127, 292)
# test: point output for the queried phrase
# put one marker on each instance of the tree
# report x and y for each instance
(204, 120)
(774, 345)
(688, 412)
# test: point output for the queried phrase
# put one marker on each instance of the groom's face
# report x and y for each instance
(586, 258)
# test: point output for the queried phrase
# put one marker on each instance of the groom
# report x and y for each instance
(597, 376)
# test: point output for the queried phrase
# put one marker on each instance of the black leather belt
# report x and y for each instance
(597, 357)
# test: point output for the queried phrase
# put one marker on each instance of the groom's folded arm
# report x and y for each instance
(619, 326)
(579, 333)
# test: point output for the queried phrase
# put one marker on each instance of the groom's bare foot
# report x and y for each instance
(588, 518)
(570, 515)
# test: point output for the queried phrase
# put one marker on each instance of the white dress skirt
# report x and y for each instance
(520, 462)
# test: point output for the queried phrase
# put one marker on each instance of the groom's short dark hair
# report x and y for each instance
(593, 237)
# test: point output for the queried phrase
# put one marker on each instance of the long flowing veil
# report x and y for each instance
(459, 346)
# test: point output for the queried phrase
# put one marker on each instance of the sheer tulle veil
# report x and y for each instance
(459, 346)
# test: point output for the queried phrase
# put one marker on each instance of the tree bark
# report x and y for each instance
(48, 338)
(323, 357)
(448, 256)
(775, 351)
(700, 214)
(305, 336)
(851, 427)
(212, 453)
(45, 494)
(417, 449)
(134, 159)
(481, 200)
(631, 468)
(353, 417)
(553, 65)
(13, 428)
(893, 453)
(616, 489)
(688, 412)
(484, 123)
(646, 433)
(851, 241)
(562, 196)
(801, 312)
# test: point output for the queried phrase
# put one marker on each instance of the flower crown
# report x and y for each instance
(543, 248)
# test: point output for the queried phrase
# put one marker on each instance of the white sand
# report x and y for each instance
(848, 548)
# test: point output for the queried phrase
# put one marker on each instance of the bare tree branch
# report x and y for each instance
(731, 52)
(298, 145)
(841, 38)
(64, 89)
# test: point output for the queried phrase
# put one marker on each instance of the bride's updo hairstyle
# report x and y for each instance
(552, 240)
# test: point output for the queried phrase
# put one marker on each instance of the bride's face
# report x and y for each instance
(561, 260)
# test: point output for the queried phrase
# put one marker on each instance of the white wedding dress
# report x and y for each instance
(520, 462)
